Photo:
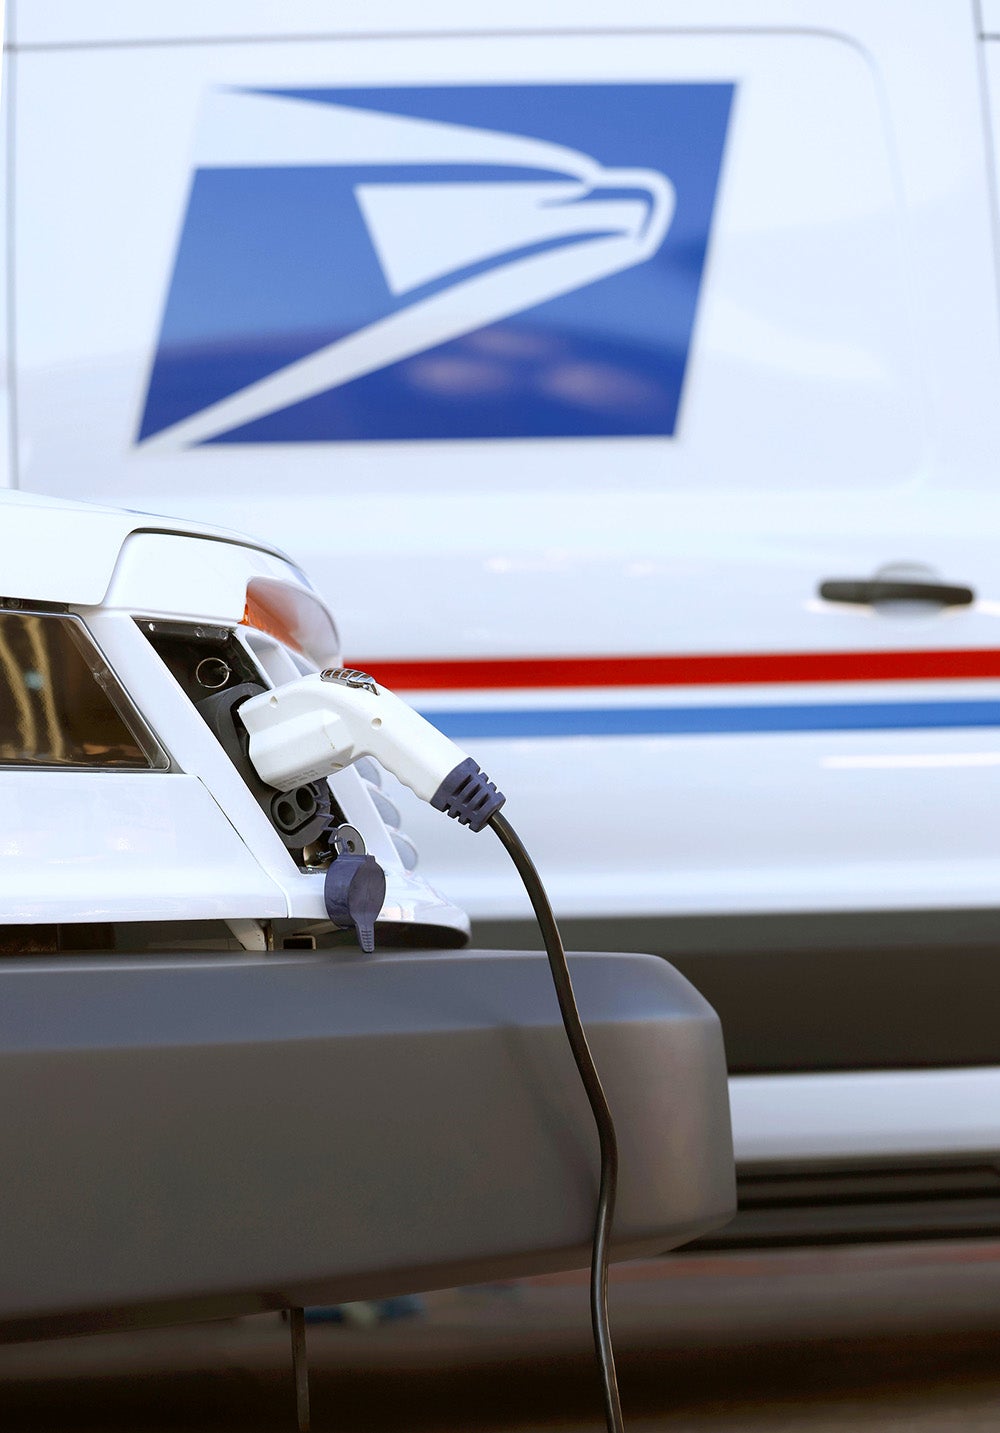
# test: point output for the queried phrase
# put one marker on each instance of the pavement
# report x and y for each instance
(839, 1340)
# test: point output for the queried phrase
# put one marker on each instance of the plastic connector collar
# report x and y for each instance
(468, 795)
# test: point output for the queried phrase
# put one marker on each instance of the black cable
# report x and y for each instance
(598, 1104)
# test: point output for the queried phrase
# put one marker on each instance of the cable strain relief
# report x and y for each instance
(468, 795)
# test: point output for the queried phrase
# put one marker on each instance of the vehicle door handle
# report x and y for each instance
(865, 591)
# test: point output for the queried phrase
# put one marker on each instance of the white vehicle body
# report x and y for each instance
(572, 351)
(177, 837)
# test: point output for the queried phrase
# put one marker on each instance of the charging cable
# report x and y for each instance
(598, 1104)
(318, 724)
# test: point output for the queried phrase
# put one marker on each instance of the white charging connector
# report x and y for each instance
(316, 725)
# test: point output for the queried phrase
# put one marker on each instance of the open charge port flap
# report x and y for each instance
(218, 675)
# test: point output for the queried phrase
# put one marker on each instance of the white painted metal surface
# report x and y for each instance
(822, 821)
(58, 550)
(123, 846)
(7, 454)
(164, 576)
(890, 1113)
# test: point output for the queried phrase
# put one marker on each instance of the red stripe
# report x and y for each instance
(460, 674)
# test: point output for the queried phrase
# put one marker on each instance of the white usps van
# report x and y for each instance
(626, 378)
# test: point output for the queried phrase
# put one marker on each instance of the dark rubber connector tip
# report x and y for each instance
(468, 795)
(354, 893)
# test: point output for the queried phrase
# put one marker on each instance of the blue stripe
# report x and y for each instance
(698, 721)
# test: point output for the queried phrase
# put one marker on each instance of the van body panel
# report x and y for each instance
(830, 413)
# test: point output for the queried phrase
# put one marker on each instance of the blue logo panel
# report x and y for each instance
(461, 262)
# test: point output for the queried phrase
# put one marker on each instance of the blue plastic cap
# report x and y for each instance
(354, 892)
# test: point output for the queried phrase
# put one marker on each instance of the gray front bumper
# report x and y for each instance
(193, 1137)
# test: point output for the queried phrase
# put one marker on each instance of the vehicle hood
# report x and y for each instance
(54, 550)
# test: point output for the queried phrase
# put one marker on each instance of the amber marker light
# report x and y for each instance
(293, 616)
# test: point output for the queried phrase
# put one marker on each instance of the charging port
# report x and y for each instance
(218, 675)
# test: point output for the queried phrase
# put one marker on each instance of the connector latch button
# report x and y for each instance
(350, 677)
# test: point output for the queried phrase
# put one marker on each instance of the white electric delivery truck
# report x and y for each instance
(626, 377)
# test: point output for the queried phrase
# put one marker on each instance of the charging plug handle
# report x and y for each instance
(320, 723)
(468, 795)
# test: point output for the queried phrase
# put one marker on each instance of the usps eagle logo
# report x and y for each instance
(447, 263)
